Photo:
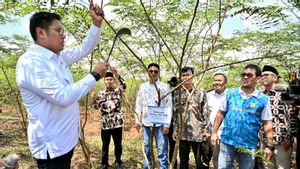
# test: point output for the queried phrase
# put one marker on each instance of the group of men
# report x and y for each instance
(236, 121)
(230, 119)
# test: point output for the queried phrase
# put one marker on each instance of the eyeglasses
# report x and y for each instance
(153, 71)
(60, 31)
(249, 75)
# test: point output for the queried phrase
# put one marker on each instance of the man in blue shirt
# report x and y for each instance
(243, 109)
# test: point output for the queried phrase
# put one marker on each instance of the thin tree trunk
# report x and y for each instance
(23, 122)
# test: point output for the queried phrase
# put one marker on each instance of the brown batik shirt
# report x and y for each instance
(283, 119)
(195, 118)
(109, 104)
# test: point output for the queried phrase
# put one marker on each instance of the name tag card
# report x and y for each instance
(159, 115)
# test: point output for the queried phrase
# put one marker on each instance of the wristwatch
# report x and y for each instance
(272, 148)
(96, 75)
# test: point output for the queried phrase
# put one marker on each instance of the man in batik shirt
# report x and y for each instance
(195, 120)
(109, 104)
(284, 122)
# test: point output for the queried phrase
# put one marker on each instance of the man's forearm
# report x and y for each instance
(218, 120)
(268, 132)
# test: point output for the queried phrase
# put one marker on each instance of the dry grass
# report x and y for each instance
(13, 140)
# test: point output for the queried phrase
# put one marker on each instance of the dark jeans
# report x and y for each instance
(61, 162)
(117, 137)
(172, 145)
(184, 151)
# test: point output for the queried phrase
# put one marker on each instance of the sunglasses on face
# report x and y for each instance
(249, 75)
(153, 71)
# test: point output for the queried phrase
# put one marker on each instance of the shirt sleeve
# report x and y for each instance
(175, 110)
(122, 84)
(205, 112)
(266, 113)
(96, 102)
(71, 55)
(138, 105)
(292, 118)
(168, 106)
(223, 104)
(35, 76)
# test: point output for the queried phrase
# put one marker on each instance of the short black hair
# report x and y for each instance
(186, 69)
(253, 66)
(109, 74)
(42, 20)
(221, 74)
(154, 64)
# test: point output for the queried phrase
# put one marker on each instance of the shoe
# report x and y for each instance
(104, 167)
(119, 166)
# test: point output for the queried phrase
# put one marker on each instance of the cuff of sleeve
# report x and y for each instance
(95, 29)
(96, 75)
(90, 80)
(137, 118)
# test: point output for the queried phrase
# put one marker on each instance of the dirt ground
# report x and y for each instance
(13, 140)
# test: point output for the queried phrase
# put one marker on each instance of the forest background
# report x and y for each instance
(172, 33)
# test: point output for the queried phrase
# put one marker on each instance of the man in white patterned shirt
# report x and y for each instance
(148, 96)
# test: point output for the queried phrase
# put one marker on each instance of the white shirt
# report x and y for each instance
(50, 95)
(266, 113)
(147, 96)
(213, 100)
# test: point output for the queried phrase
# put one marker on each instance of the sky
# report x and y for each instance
(21, 27)
(230, 25)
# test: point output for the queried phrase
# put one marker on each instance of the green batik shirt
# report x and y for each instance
(195, 118)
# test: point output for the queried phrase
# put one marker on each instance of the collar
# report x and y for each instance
(272, 91)
(46, 53)
(157, 82)
(110, 89)
(215, 93)
(187, 89)
(255, 93)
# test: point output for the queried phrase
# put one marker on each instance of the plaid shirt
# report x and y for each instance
(109, 104)
(283, 119)
(196, 117)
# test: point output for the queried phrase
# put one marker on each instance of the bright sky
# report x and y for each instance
(21, 27)
(229, 26)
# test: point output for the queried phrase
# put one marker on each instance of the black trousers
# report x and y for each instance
(172, 145)
(200, 151)
(184, 151)
(61, 162)
(117, 137)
